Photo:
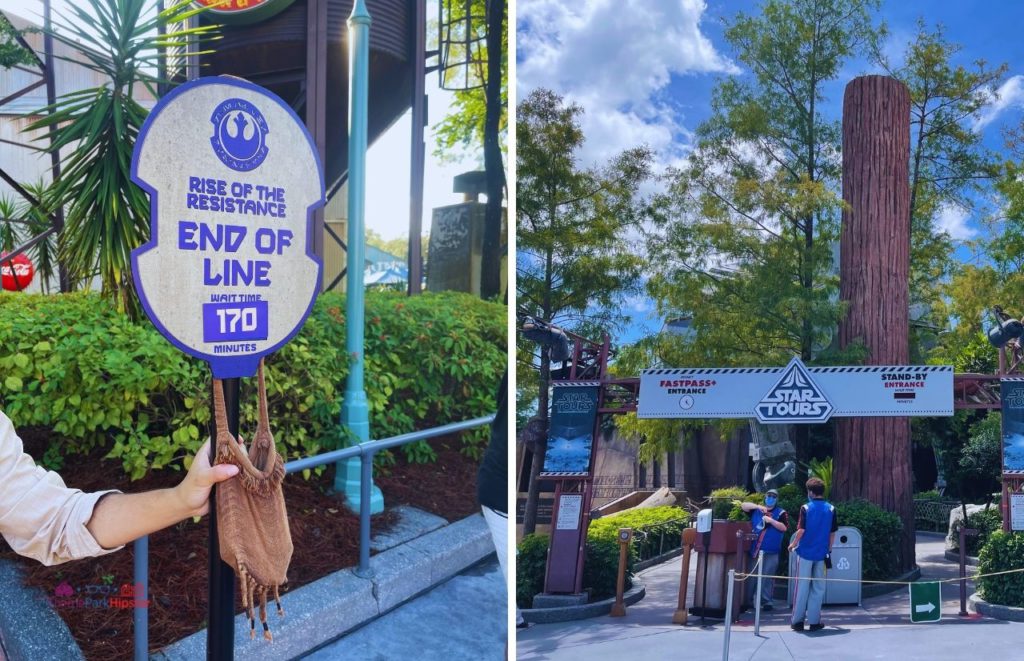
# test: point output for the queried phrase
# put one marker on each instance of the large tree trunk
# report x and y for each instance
(872, 455)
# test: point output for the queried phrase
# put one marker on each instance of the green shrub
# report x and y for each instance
(1003, 551)
(666, 521)
(531, 562)
(880, 532)
(932, 495)
(72, 363)
(721, 500)
(985, 521)
(601, 569)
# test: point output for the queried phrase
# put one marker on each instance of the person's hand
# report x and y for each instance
(764, 510)
(194, 490)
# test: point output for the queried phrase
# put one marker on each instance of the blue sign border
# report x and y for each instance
(224, 367)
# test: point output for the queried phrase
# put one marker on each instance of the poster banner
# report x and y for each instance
(795, 393)
(571, 430)
(1012, 396)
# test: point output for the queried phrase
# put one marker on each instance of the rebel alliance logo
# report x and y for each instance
(794, 398)
(239, 134)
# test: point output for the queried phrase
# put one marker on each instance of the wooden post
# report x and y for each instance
(872, 455)
(619, 607)
(689, 538)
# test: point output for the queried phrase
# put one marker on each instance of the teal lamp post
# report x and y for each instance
(355, 412)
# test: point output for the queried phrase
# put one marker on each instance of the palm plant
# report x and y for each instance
(106, 215)
(821, 469)
(9, 234)
(36, 220)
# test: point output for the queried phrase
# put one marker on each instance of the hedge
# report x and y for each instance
(1004, 551)
(985, 521)
(601, 565)
(97, 379)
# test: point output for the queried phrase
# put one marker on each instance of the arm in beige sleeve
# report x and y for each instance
(41, 518)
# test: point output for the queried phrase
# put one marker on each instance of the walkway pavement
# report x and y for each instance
(463, 618)
(879, 629)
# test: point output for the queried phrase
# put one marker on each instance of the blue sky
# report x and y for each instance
(644, 70)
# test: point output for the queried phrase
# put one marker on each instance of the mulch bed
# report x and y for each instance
(325, 535)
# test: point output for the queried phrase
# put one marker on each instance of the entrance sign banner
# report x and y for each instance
(1011, 394)
(233, 177)
(795, 393)
(571, 430)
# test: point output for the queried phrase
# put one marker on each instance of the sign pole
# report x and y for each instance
(220, 635)
(355, 412)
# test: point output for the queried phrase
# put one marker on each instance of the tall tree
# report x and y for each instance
(11, 52)
(949, 166)
(746, 248)
(575, 261)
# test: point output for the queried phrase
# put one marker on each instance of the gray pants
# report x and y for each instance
(809, 594)
(770, 566)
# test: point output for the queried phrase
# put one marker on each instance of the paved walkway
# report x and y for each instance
(879, 629)
(463, 618)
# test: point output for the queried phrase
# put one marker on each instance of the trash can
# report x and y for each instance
(846, 564)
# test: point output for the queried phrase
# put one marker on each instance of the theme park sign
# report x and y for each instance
(241, 12)
(795, 393)
(233, 177)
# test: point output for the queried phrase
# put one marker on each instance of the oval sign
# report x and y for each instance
(242, 12)
(17, 272)
(229, 274)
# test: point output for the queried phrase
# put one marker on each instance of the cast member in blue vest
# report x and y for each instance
(769, 522)
(815, 532)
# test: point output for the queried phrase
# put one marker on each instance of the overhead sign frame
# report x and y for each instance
(796, 393)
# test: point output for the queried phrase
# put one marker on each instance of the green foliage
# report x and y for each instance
(463, 127)
(72, 363)
(722, 500)
(1004, 551)
(929, 495)
(949, 166)
(986, 522)
(654, 529)
(821, 469)
(982, 458)
(531, 561)
(106, 215)
(11, 52)
(601, 569)
(880, 531)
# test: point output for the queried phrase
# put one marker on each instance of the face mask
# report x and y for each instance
(770, 501)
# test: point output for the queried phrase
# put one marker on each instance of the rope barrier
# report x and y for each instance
(742, 577)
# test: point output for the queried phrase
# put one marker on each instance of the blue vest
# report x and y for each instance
(772, 540)
(818, 517)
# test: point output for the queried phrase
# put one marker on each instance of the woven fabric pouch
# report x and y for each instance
(252, 522)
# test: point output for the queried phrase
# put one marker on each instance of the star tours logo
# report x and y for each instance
(239, 135)
(794, 398)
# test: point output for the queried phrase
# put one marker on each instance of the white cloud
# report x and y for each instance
(1009, 95)
(953, 220)
(614, 58)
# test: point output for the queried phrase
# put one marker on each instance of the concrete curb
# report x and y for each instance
(969, 560)
(996, 611)
(567, 613)
(29, 626)
(326, 609)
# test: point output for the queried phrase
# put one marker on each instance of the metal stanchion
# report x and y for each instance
(728, 615)
(757, 593)
(964, 532)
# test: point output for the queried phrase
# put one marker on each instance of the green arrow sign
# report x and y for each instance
(925, 602)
